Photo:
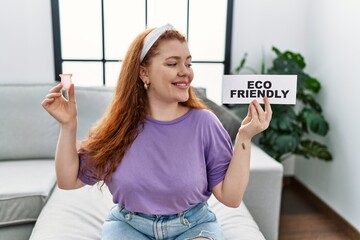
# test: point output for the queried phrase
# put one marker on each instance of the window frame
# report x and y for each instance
(58, 60)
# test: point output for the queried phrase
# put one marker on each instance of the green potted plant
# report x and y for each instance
(293, 129)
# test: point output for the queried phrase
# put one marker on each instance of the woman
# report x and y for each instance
(158, 149)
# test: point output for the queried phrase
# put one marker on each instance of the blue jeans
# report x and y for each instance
(198, 221)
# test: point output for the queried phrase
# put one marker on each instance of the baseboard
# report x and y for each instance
(350, 230)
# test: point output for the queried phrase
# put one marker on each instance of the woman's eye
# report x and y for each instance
(171, 64)
(189, 65)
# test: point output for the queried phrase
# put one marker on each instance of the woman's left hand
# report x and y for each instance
(256, 120)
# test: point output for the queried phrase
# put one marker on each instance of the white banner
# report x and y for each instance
(242, 89)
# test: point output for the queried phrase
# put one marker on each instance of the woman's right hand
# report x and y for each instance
(62, 109)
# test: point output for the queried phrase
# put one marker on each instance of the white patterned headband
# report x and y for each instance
(151, 38)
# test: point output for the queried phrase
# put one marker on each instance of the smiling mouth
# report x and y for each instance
(180, 84)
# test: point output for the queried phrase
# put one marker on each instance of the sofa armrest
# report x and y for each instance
(263, 194)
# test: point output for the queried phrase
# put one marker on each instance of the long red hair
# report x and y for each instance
(114, 133)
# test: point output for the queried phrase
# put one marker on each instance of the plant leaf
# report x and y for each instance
(296, 57)
(262, 67)
(282, 65)
(241, 64)
(286, 143)
(301, 82)
(314, 121)
(313, 84)
(284, 118)
(280, 142)
(277, 51)
(309, 100)
(316, 149)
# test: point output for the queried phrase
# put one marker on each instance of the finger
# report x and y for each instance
(71, 93)
(253, 111)
(249, 111)
(268, 110)
(57, 88)
(247, 118)
(47, 101)
(53, 95)
(259, 110)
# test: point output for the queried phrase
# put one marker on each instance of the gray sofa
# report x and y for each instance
(31, 205)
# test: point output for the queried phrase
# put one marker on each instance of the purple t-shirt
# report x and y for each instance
(171, 165)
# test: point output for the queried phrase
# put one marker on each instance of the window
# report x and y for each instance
(91, 37)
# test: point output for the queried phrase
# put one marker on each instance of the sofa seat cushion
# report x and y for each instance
(24, 189)
(79, 215)
(73, 214)
(237, 223)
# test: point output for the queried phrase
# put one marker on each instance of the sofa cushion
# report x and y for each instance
(73, 214)
(27, 131)
(24, 189)
(237, 223)
(79, 214)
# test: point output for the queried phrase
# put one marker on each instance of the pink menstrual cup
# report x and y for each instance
(66, 80)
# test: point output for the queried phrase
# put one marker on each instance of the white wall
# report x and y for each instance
(260, 24)
(26, 48)
(326, 33)
(333, 45)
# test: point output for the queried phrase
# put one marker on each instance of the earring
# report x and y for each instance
(146, 85)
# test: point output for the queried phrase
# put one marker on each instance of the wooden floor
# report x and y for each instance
(302, 220)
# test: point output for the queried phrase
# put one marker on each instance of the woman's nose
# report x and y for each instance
(184, 70)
